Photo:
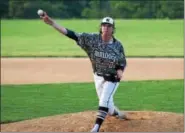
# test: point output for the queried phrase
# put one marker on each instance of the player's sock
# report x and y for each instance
(102, 113)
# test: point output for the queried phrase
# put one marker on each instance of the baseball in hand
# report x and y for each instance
(40, 12)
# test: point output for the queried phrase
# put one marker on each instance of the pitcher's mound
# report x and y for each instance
(139, 121)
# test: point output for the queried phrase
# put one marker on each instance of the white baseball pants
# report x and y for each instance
(105, 91)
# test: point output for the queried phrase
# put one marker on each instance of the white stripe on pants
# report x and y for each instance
(105, 91)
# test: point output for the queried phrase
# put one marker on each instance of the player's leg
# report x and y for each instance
(99, 81)
(108, 94)
(109, 89)
(111, 106)
(113, 110)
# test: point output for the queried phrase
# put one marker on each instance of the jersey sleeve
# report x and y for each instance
(85, 40)
(122, 60)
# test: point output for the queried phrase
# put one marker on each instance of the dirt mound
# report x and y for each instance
(139, 121)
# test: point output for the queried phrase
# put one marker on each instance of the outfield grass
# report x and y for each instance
(139, 37)
(20, 102)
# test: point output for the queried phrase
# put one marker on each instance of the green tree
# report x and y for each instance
(15, 9)
(123, 9)
(172, 9)
(93, 8)
(4, 8)
(31, 7)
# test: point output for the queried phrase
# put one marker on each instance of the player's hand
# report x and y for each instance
(119, 73)
(47, 19)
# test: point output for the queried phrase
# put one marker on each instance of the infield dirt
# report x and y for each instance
(58, 70)
(139, 121)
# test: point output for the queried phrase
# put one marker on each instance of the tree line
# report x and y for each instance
(87, 9)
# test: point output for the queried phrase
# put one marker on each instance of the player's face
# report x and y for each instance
(107, 29)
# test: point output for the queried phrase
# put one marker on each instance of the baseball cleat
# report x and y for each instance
(93, 131)
(95, 128)
(121, 115)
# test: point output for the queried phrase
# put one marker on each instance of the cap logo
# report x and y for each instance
(107, 20)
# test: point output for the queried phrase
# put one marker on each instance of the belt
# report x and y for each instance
(99, 74)
(109, 77)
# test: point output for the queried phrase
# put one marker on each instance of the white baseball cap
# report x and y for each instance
(107, 20)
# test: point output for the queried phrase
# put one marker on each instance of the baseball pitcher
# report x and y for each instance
(108, 61)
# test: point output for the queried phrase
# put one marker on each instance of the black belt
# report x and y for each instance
(111, 77)
(99, 74)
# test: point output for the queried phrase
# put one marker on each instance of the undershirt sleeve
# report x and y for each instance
(71, 34)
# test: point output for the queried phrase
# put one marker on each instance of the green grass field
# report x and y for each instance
(139, 37)
(20, 102)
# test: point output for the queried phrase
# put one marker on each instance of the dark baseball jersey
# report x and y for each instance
(105, 58)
